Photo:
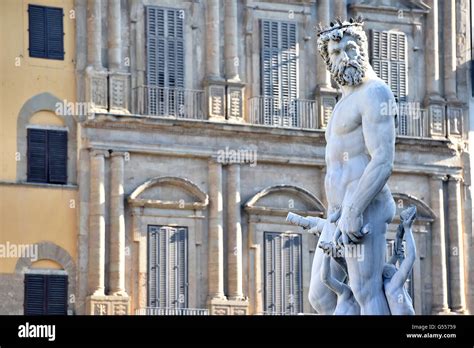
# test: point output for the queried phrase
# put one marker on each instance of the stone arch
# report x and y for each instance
(44, 102)
(424, 212)
(200, 198)
(51, 251)
(315, 206)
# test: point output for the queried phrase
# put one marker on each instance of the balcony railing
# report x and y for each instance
(413, 121)
(288, 113)
(171, 311)
(173, 102)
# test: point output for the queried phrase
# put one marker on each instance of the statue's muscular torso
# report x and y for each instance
(346, 153)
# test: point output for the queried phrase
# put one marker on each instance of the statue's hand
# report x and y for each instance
(350, 223)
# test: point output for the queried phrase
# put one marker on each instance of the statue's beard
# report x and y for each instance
(349, 72)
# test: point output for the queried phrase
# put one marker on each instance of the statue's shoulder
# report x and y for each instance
(376, 88)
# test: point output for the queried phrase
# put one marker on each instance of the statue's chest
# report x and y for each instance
(345, 118)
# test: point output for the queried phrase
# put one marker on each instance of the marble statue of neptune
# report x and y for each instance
(360, 150)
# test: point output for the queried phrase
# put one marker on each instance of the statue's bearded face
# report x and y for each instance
(346, 63)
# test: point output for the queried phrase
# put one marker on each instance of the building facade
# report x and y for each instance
(196, 126)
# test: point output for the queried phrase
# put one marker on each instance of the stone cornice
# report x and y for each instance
(194, 152)
(314, 136)
(419, 9)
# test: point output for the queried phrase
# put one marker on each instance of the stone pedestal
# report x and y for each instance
(234, 102)
(108, 305)
(437, 116)
(96, 90)
(216, 99)
(326, 99)
(119, 90)
(228, 307)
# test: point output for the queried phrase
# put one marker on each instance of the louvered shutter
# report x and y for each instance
(153, 270)
(165, 61)
(37, 31)
(182, 272)
(46, 35)
(56, 294)
(55, 34)
(37, 155)
(167, 267)
(45, 294)
(35, 290)
(283, 279)
(279, 70)
(389, 60)
(57, 156)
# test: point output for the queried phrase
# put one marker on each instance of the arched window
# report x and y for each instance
(46, 142)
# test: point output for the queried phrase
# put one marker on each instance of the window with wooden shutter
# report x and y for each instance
(165, 60)
(283, 273)
(47, 156)
(45, 294)
(46, 35)
(279, 72)
(389, 60)
(167, 267)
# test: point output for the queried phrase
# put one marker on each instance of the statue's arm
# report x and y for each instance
(378, 126)
(406, 266)
(398, 250)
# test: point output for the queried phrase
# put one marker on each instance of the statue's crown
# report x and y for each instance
(338, 23)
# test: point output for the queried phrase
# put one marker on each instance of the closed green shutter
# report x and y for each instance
(46, 35)
(283, 273)
(279, 72)
(45, 294)
(57, 157)
(47, 156)
(35, 294)
(56, 294)
(37, 166)
(389, 60)
(37, 31)
(167, 267)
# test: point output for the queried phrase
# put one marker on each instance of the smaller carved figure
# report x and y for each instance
(399, 301)
(346, 302)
